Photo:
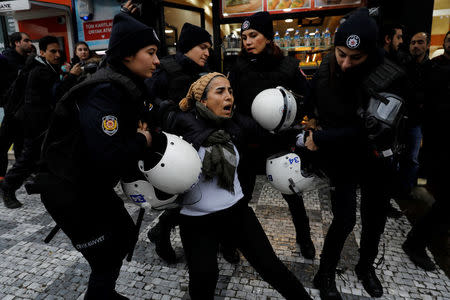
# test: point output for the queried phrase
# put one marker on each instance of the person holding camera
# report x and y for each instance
(87, 59)
(261, 65)
(352, 145)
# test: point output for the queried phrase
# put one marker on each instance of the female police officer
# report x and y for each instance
(261, 65)
(343, 85)
(96, 138)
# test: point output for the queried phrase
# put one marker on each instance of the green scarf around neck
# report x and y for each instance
(220, 158)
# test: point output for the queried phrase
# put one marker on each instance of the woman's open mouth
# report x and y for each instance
(227, 107)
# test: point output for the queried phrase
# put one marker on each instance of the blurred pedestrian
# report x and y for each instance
(434, 222)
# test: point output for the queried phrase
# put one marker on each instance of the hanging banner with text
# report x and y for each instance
(6, 6)
(98, 30)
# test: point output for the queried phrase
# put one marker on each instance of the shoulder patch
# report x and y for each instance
(110, 125)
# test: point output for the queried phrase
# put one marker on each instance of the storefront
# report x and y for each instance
(440, 26)
(7, 22)
(41, 18)
(303, 28)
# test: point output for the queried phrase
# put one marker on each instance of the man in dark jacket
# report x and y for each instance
(416, 70)
(171, 84)
(17, 53)
(436, 145)
(350, 150)
(39, 102)
(391, 37)
(11, 130)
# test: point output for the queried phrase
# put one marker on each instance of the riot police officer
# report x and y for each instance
(261, 65)
(348, 77)
(96, 138)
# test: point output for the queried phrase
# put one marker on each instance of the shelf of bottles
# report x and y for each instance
(311, 42)
(307, 47)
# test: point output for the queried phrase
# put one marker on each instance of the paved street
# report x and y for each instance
(31, 269)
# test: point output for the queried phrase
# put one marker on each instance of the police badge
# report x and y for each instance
(353, 41)
(110, 125)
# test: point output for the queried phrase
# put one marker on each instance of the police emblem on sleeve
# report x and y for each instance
(110, 125)
(353, 41)
(245, 25)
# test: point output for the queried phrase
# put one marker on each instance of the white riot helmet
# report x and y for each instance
(274, 109)
(175, 168)
(283, 171)
(142, 193)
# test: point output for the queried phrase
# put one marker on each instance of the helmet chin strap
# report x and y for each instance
(292, 186)
(285, 110)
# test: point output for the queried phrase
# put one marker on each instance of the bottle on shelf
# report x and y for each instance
(327, 38)
(317, 38)
(277, 39)
(297, 38)
(287, 39)
(307, 39)
(332, 38)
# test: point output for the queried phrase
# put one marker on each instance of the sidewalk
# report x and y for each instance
(31, 269)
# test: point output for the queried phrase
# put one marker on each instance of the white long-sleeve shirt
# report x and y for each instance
(207, 197)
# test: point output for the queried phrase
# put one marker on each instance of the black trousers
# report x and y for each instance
(104, 234)
(436, 221)
(238, 226)
(11, 132)
(375, 198)
(25, 164)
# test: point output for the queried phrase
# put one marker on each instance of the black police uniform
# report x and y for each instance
(349, 157)
(85, 160)
(251, 75)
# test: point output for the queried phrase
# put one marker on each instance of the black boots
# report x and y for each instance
(418, 255)
(326, 284)
(369, 280)
(160, 235)
(9, 197)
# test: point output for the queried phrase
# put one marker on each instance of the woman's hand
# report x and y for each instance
(142, 129)
(76, 69)
(309, 143)
(128, 7)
